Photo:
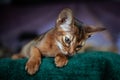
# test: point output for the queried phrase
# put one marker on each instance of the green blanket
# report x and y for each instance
(84, 66)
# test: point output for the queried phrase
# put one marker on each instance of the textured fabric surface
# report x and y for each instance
(84, 66)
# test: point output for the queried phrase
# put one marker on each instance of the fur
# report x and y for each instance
(64, 40)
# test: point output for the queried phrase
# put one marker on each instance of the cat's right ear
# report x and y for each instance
(65, 19)
(89, 30)
(93, 29)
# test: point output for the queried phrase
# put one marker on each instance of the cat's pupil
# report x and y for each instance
(67, 40)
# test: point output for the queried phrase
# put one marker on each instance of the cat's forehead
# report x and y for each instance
(65, 27)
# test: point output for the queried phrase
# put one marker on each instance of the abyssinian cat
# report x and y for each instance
(60, 42)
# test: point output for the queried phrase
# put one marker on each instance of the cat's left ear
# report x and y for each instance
(65, 19)
(93, 29)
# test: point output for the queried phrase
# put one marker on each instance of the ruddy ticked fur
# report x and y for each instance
(61, 41)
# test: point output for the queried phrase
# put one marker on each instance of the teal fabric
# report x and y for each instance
(84, 66)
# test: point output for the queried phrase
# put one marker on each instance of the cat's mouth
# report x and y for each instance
(64, 51)
(70, 54)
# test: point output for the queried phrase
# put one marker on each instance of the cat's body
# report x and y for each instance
(47, 43)
(60, 42)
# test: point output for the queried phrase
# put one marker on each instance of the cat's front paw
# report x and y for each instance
(61, 60)
(32, 66)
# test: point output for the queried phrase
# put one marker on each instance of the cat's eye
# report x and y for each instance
(79, 46)
(83, 43)
(67, 40)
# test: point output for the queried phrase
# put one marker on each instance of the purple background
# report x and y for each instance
(16, 19)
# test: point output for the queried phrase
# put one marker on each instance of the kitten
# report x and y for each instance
(59, 42)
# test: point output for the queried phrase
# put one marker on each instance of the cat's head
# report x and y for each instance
(85, 32)
(66, 33)
(72, 34)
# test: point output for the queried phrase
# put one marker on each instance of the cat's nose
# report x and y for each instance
(71, 51)
(71, 54)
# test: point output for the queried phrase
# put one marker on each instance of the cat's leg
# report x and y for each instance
(34, 61)
(18, 56)
(60, 60)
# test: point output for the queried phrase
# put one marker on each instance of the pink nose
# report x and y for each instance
(71, 52)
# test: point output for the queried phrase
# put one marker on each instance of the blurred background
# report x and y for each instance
(21, 21)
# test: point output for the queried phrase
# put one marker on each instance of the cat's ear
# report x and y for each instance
(93, 29)
(65, 19)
